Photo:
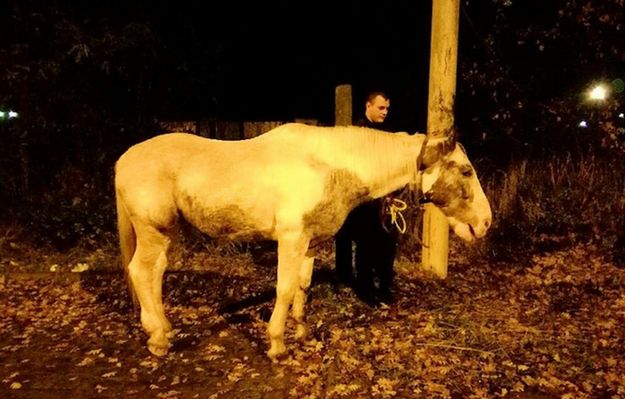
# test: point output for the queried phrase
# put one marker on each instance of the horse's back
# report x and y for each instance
(163, 148)
(179, 173)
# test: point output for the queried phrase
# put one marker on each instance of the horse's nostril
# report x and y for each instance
(487, 223)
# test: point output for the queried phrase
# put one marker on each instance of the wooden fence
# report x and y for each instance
(226, 130)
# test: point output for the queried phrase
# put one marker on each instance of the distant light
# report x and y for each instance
(599, 92)
(621, 115)
(8, 115)
(583, 124)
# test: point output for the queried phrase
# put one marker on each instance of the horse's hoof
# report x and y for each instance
(157, 350)
(158, 344)
(301, 332)
(276, 352)
(275, 358)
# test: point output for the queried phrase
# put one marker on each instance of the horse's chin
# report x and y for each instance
(464, 231)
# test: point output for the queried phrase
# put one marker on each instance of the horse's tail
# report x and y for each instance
(127, 243)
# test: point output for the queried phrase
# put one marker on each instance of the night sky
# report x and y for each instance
(282, 59)
(279, 59)
(288, 62)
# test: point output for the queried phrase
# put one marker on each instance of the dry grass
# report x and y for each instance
(553, 203)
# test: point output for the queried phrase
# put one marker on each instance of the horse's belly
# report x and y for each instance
(231, 222)
(323, 223)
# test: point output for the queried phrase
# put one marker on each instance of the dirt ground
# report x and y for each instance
(551, 328)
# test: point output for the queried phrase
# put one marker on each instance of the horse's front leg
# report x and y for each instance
(291, 250)
(304, 278)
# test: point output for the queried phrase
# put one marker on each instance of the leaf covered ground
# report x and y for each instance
(549, 328)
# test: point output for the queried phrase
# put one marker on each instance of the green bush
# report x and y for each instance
(73, 209)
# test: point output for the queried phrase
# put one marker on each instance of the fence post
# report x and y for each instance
(441, 96)
(343, 105)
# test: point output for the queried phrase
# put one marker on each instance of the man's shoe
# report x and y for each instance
(368, 297)
(341, 281)
(387, 297)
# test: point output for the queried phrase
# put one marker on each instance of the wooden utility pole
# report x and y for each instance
(343, 105)
(441, 96)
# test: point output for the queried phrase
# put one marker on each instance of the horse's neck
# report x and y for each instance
(383, 162)
(390, 176)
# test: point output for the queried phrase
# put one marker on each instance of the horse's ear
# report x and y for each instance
(454, 138)
(431, 155)
(450, 143)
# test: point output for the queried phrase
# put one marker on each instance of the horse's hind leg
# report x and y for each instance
(157, 288)
(148, 259)
(304, 278)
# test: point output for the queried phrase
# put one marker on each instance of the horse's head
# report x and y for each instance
(449, 181)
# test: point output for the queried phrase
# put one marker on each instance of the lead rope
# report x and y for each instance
(395, 206)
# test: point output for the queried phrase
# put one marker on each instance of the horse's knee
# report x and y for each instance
(139, 273)
(135, 271)
(161, 263)
(275, 330)
(285, 293)
(304, 284)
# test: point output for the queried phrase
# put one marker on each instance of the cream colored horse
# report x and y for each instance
(293, 184)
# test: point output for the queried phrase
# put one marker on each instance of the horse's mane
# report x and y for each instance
(348, 146)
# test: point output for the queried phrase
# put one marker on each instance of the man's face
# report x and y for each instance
(377, 109)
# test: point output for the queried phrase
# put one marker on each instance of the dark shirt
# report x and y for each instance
(364, 122)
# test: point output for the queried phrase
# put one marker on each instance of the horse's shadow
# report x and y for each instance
(180, 288)
(237, 308)
(320, 276)
(109, 290)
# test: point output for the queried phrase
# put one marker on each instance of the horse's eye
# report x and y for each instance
(467, 173)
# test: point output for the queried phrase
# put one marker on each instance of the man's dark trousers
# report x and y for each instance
(375, 250)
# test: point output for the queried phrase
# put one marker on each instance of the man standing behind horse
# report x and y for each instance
(375, 246)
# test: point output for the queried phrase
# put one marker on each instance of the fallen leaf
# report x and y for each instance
(86, 362)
